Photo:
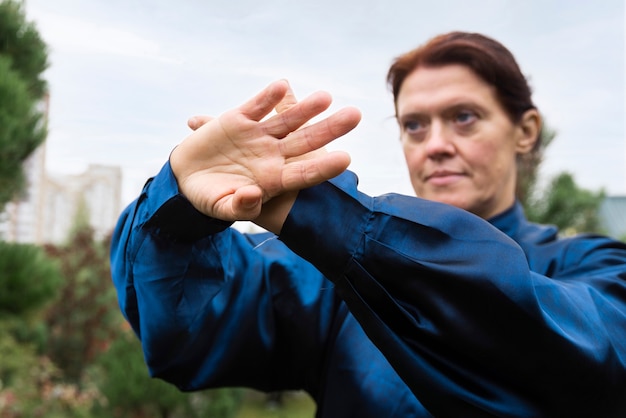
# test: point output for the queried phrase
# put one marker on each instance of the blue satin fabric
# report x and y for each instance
(468, 318)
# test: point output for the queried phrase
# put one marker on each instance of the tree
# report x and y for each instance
(21, 43)
(85, 317)
(563, 203)
(28, 279)
(20, 131)
(566, 205)
(130, 392)
(23, 59)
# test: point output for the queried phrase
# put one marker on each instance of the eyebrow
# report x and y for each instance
(464, 104)
(411, 115)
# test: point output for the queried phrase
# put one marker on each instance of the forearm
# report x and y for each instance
(150, 213)
(169, 275)
(173, 270)
(444, 294)
(275, 212)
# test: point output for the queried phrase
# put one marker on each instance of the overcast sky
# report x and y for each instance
(126, 74)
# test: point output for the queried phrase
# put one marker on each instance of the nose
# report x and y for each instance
(439, 142)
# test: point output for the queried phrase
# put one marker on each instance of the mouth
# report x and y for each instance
(444, 178)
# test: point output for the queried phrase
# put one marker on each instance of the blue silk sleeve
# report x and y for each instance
(474, 322)
(214, 307)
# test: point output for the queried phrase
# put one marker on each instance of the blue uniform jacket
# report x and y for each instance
(378, 307)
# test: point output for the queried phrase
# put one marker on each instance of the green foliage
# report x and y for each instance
(81, 218)
(27, 384)
(21, 131)
(567, 206)
(126, 383)
(85, 316)
(129, 390)
(21, 43)
(17, 358)
(292, 405)
(23, 58)
(18, 376)
(562, 203)
(28, 279)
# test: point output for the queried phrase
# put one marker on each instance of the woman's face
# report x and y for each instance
(459, 143)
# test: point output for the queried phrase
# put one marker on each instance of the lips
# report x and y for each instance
(444, 177)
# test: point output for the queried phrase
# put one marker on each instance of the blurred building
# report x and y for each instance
(96, 191)
(20, 220)
(46, 210)
(612, 214)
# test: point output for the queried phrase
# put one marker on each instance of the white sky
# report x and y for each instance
(126, 74)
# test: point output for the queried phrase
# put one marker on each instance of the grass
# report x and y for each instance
(292, 405)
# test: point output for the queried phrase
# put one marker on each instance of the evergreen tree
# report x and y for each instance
(130, 392)
(21, 43)
(28, 279)
(23, 59)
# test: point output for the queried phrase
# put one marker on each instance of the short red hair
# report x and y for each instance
(487, 58)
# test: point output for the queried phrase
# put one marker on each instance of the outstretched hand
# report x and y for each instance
(230, 166)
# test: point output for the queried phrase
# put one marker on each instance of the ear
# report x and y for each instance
(528, 131)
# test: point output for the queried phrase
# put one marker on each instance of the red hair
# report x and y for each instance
(487, 58)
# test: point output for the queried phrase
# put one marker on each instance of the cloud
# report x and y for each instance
(69, 34)
(131, 72)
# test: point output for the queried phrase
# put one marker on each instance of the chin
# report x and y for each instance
(452, 199)
(460, 205)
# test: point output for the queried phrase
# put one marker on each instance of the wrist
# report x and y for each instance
(275, 212)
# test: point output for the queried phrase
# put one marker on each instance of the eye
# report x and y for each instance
(414, 127)
(465, 117)
(411, 126)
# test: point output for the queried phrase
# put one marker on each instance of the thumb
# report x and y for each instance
(197, 121)
(247, 202)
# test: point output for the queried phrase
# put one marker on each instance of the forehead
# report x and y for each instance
(431, 89)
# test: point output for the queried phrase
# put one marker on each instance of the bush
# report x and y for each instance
(28, 279)
(129, 391)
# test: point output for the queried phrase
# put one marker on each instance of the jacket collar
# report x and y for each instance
(510, 220)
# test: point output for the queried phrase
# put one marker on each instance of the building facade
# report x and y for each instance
(47, 211)
(612, 213)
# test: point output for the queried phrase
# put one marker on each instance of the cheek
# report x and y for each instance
(491, 164)
(483, 159)
(412, 151)
(414, 158)
(415, 161)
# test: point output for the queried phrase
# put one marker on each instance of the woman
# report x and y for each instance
(450, 304)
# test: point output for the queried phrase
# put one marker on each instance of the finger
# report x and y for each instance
(265, 101)
(197, 121)
(319, 134)
(297, 115)
(287, 102)
(247, 203)
(306, 173)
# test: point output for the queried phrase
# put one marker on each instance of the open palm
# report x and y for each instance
(229, 167)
